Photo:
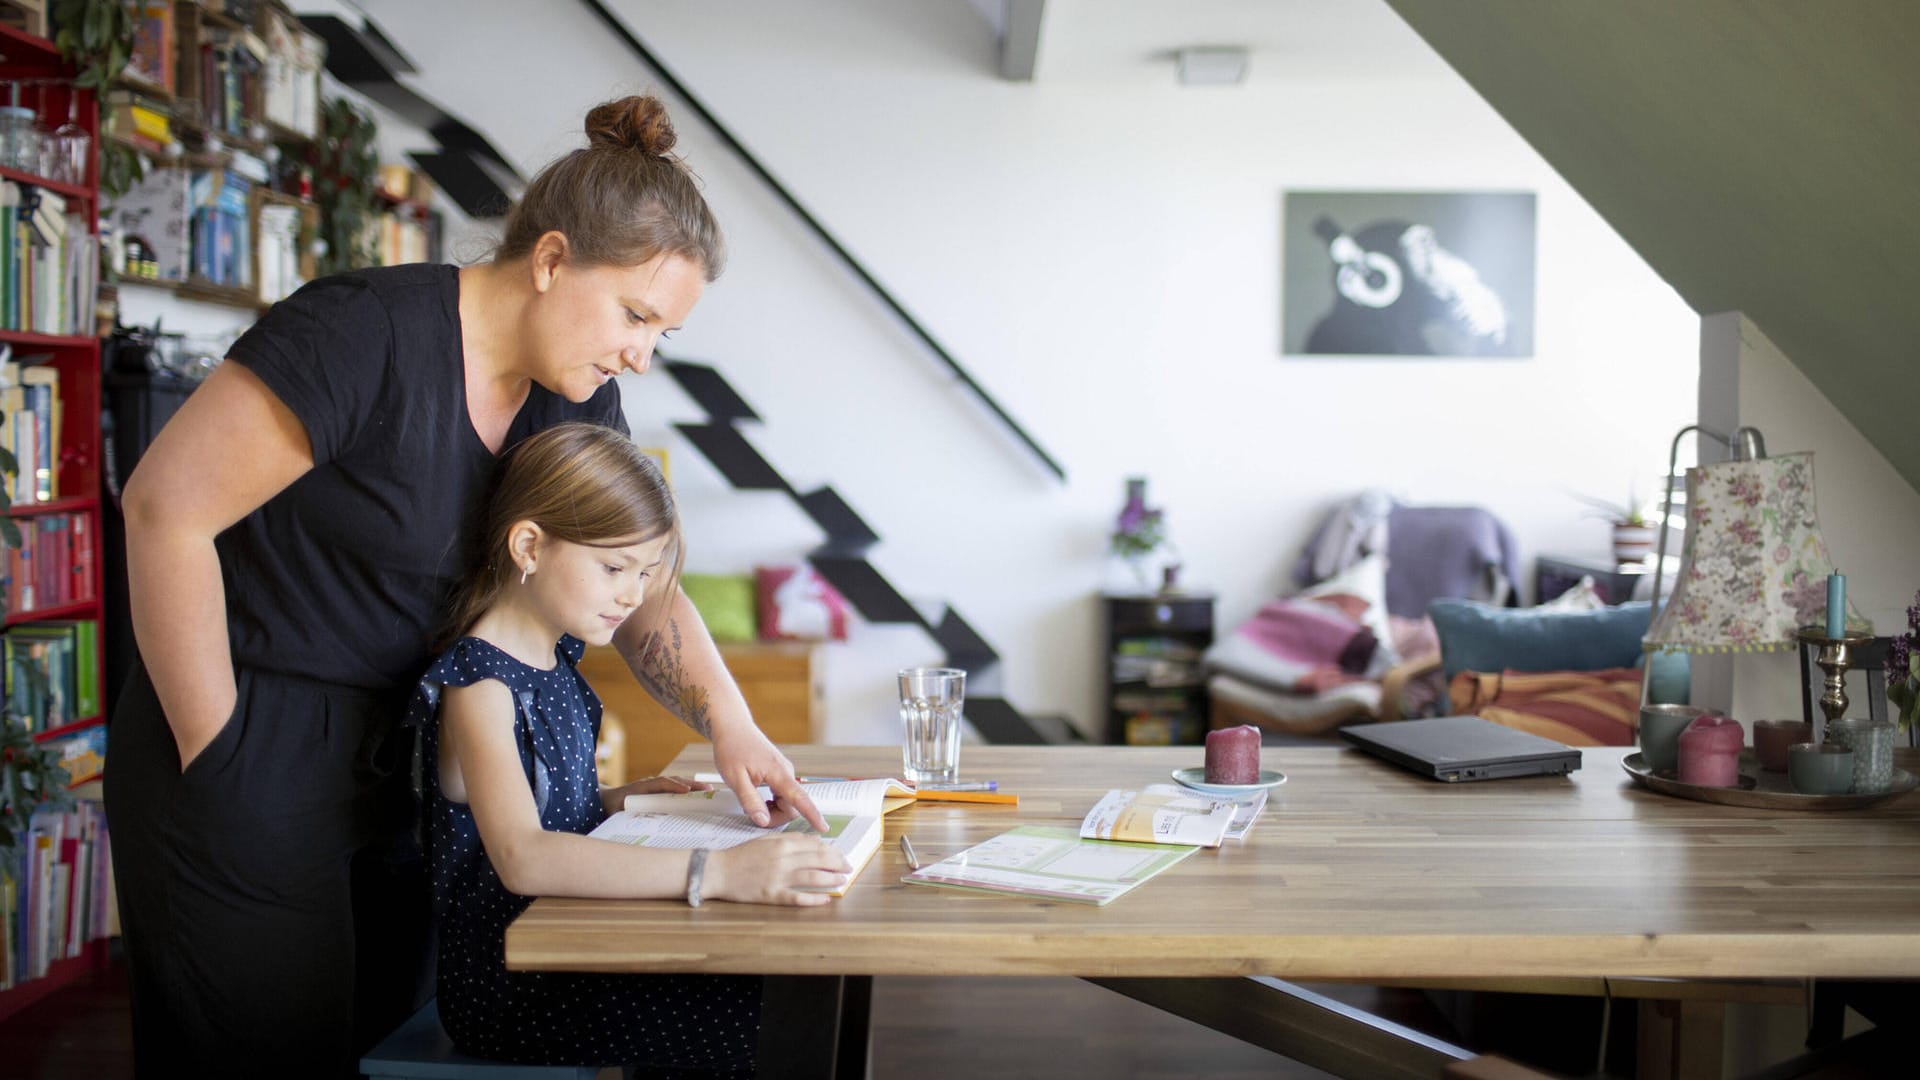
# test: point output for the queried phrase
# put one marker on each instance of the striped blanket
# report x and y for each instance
(1578, 708)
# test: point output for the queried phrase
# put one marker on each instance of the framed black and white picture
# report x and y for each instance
(1407, 273)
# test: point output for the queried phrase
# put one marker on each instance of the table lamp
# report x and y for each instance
(1754, 567)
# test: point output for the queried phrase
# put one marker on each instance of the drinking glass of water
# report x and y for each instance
(930, 701)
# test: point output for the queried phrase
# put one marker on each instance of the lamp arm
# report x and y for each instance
(1746, 444)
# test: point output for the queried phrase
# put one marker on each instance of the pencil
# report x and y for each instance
(906, 848)
(1006, 798)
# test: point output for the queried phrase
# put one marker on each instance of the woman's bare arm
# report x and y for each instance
(232, 446)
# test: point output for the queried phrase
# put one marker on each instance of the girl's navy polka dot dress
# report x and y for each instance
(553, 1018)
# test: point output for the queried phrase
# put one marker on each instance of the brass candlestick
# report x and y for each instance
(1835, 657)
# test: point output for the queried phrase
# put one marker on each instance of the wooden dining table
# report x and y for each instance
(1357, 871)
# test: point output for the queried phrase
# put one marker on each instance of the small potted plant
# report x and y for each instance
(1634, 526)
(1903, 682)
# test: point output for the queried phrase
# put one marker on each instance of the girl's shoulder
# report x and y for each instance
(472, 659)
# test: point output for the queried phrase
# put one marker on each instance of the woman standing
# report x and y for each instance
(292, 535)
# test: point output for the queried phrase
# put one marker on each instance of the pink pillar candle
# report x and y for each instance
(1233, 755)
(1710, 752)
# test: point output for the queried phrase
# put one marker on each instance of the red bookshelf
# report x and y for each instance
(78, 450)
(93, 957)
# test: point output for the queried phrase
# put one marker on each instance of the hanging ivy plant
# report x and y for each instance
(345, 166)
(96, 36)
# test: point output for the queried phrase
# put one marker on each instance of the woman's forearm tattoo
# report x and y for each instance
(665, 677)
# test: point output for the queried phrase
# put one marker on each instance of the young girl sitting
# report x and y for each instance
(579, 535)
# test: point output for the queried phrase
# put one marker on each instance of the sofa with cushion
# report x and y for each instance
(1568, 671)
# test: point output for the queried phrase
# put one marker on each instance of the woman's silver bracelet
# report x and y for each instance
(696, 870)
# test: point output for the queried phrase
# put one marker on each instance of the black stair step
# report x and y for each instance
(734, 456)
(706, 386)
(999, 722)
(960, 641)
(846, 531)
(872, 595)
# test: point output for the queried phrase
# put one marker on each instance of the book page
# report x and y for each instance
(858, 797)
(1036, 860)
(1148, 818)
(1246, 808)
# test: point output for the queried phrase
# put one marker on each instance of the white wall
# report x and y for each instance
(1868, 513)
(1100, 249)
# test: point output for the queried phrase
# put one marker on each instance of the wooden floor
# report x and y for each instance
(928, 1029)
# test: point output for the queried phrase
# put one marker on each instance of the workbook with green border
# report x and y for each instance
(1051, 862)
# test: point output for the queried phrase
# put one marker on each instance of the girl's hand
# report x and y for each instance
(746, 759)
(790, 868)
(661, 785)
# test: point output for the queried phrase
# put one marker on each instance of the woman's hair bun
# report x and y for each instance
(631, 123)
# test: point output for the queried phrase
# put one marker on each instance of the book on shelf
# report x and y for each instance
(57, 897)
(151, 60)
(1053, 863)
(714, 819)
(52, 567)
(82, 752)
(52, 672)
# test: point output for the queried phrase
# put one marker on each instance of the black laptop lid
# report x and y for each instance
(1463, 748)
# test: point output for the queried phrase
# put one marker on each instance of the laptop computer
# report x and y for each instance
(1456, 748)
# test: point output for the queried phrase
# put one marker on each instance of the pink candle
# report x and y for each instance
(1710, 752)
(1233, 755)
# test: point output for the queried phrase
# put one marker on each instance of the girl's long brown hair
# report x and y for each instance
(582, 483)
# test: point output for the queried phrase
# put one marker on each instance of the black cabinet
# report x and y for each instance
(1156, 691)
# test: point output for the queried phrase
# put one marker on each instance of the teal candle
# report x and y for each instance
(1836, 604)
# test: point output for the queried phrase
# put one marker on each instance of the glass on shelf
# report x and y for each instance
(70, 146)
(19, 142)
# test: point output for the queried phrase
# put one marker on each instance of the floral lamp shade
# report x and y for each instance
(1754, 568)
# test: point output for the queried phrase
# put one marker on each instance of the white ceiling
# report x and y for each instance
(1108, 40)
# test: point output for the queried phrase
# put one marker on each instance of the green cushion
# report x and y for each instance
(725, 603)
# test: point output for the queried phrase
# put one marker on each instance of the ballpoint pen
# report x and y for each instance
(906, 848)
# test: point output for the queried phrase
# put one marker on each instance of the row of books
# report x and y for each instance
(49, 262)
(219, 230)
(232, 77)
(178, 223)
(54, 564)
(52, 674)
(59, 897)
(30, 423)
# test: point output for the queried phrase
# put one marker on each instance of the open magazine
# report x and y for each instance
(714, 819)
(1165, 814)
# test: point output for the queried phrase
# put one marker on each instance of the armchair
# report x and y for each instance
(1380, 564)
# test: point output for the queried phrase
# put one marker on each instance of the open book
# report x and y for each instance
(1164, 814)
(1051, 862)
(714, 819)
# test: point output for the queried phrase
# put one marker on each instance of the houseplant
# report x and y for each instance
(96, 36)
(1634, 531)
(1139, 543)
(1903, 682)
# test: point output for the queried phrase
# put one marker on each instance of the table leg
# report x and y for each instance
(1297, 1023)
(1681, 1040)
(815, 1026)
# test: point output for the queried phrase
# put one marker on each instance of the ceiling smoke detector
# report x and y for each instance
(1213, 65)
